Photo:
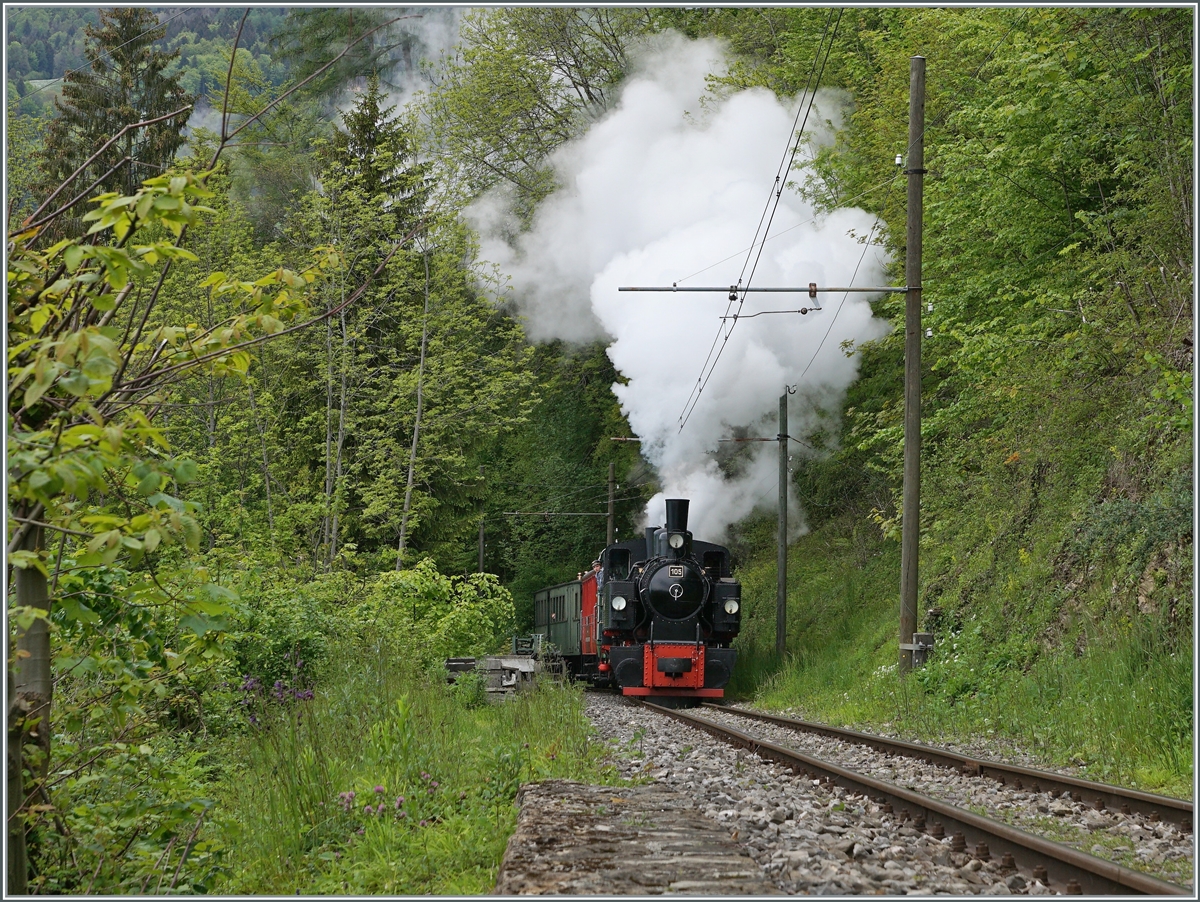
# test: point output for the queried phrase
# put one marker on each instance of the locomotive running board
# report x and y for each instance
(655, 690)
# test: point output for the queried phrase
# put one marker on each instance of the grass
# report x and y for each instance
(1070, 678)
(389, 782)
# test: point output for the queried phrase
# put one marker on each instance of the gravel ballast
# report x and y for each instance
(810, 838)
(1134, 841)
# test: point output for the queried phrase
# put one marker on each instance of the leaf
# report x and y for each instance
(76, 384)
(149, 484)
(200, 625)
(39, 386)
(191, 532)
(186, 470)
(73, 256)
(26, 559)
(76, 610)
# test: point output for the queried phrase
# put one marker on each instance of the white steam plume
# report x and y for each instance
(662, 188)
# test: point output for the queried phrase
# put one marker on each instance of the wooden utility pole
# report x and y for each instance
(781, 576)
(911, 512)
(612, 501)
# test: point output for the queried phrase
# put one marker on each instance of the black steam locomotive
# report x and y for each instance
(656, 620)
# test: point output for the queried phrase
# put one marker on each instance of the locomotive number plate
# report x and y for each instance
(675, 572)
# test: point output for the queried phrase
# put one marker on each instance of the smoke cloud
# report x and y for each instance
(672, 181)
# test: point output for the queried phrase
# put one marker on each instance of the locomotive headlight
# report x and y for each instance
(676, 541)
(731, 606)
(618, 603)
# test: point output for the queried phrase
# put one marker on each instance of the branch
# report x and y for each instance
(282, 97)
(63, 529)
(107, 144)
(78, 197)
(229, 79)
(26, 525)
(134, 384)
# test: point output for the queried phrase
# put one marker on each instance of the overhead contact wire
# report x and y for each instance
(810, 93)
(777, 192)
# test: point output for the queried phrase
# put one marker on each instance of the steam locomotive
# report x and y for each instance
(657, 619)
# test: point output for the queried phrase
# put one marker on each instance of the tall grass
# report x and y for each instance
(1112, 694)
(387, 781)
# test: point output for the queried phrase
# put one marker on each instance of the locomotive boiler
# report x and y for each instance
(657, 619)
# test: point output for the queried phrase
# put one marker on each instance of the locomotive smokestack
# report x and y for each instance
(677, 514)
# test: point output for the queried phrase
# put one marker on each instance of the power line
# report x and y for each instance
(841, 303)
(849, 200)
(773, 206)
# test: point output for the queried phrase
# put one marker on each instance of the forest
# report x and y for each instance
(275, 372)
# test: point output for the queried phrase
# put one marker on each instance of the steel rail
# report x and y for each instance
(1178, 811)
(1060, 867)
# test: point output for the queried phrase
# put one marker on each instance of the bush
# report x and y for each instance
(428, 617)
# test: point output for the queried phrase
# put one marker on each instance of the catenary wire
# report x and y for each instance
(772, 195)
(978, 71)
(849, 200)
(777, 189)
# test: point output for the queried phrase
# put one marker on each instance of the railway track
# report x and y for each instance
(1100, 796)
(970, 835)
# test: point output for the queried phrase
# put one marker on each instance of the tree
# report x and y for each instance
(126, 83)
(524, 82)
(377, 155)
(310, 35)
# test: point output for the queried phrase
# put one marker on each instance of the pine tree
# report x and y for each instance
(377, 157)
(125, 84)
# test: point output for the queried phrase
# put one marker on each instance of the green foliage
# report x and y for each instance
(428, 617)
(310, 38)
(121, 825)
(1056, 553)
(558, 461)
(386, 784)
(470, 688)
(233, 647)
(125, 83)
(525, 80)
(51, 40)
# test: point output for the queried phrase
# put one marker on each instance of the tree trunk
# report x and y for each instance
(412, 456)
(18, 867)
(339, 446)
(266, 462)
(29, 713)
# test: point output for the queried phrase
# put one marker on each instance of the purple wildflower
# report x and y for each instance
(379, 789)
(402, 814)
(399, 802)
(424, 823)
